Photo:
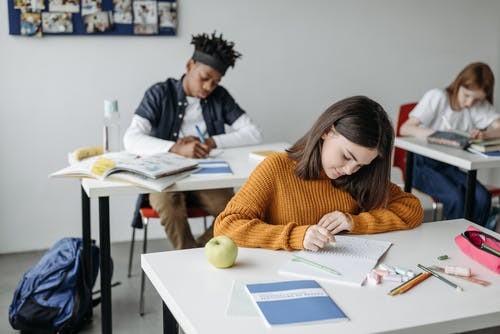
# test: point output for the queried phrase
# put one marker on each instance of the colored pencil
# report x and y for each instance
(420, 279)
(396, 290)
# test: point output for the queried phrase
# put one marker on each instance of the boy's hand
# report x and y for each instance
(190, 148)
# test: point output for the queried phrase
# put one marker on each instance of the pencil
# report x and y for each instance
(396, 290)
(453, 285)
(420, 279)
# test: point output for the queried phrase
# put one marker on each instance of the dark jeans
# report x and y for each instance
(447, 184)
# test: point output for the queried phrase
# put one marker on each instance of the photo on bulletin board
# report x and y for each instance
(37, 18)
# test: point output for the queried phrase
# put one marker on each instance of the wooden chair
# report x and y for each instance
(400, 154)
(146, 214)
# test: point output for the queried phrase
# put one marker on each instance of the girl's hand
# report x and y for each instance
(316, 238)
(477, 134)
(335, 222)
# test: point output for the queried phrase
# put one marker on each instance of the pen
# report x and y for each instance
(200, 135)
(440, 277)
(316, 265)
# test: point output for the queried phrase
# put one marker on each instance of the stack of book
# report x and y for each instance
(486, 148)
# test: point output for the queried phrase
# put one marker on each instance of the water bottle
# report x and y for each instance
(111, 131)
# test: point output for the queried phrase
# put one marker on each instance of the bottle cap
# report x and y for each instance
(110, 107)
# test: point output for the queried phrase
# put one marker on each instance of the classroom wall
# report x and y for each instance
(299, 57)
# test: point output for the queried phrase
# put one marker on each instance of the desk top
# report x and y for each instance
(241, 165)
(450, 155)
(198, 294)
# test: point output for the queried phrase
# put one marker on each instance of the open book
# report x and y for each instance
(155, 172)
(348, 261)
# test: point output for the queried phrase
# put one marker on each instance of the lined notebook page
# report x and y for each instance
(351, 257)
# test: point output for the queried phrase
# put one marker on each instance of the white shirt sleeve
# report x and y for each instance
(244, 132)
(483, 115)
(430, 107)
(137, 138)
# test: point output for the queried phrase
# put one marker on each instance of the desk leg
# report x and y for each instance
(87, 256)
(470, 194)
(169, 323)
(105, 258)
(409, 172)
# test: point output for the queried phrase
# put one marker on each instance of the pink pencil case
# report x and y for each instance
(481, 247)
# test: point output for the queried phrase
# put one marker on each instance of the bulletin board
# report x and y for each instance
(37, 18)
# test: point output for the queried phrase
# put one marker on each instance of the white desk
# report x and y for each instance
(241, 166)
(460, 158)
(196, 295)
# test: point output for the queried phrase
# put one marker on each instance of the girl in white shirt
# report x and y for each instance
(465, 105)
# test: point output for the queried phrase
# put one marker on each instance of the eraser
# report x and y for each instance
(459, 271)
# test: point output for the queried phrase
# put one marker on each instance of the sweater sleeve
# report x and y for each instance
(244, 218)
(403, 212)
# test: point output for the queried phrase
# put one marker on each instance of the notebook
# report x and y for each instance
(213, 168)
(293, 302)
(347, 262)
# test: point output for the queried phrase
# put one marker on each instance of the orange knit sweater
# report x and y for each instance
(274, 208)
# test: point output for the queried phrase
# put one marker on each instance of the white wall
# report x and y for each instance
(299, 57)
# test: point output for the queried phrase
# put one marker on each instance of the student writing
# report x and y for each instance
(465, 105)
(167, 120)
(335, 178)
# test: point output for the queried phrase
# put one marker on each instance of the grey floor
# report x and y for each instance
(126, 318)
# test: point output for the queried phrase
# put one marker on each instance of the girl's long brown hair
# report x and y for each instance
(363, 122)
(474, 76)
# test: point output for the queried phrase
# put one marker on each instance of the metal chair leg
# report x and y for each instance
(143, 278)
(434, 211)
(131, 255)
(205, 222)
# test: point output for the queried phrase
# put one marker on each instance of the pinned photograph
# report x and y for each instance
(33, 5)
(145, 17)
(91, 6)
(122, 11)
(167, 13)
(31, 24)
(57, 23)
(71, 6)
(98, 22)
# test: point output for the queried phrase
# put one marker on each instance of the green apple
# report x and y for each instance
(221, 251)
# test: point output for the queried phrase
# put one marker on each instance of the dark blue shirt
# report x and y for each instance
(164, 106)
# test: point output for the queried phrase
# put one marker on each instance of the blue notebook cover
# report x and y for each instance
(213, 167)
(292, 302)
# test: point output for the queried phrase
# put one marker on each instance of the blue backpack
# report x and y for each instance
(53, 295)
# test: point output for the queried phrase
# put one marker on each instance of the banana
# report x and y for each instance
(87, 152)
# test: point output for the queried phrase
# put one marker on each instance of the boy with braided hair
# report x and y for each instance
(166, 121)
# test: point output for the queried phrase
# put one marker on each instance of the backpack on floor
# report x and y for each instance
(53, 295)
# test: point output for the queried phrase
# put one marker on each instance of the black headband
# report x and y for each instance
(211, 61)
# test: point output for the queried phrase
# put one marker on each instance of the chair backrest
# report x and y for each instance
(399, 153)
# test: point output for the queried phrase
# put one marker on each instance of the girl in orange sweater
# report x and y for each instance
(335, 178)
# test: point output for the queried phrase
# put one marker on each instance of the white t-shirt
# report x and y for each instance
(434, 112)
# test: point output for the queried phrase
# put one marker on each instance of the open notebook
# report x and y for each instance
(347, 262)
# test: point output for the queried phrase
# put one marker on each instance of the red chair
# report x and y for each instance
(146, 214)
(400, 154)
